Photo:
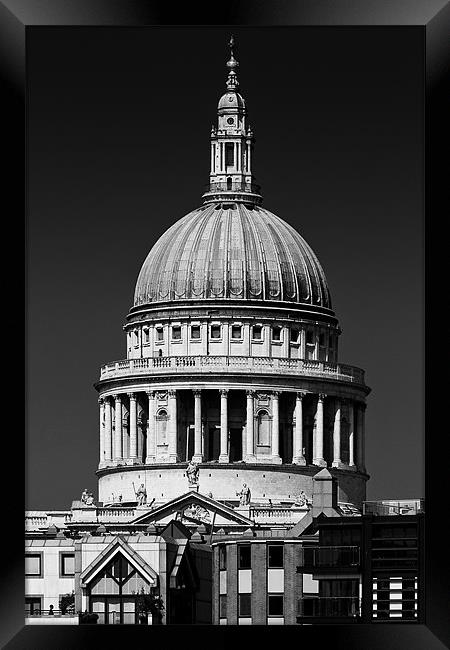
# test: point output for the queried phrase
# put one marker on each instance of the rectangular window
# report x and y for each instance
(216, 331)
(245, 605)
(322, 339)
(33, 564)
(294, 335)
(276, 333)
(275, 605)
(222, 557)
(136, 338)
(244, 556)
(236, 332)
(310, 337)
(176, 332)
(275, 556)
(159, 334)
(229, 153)
(257, 332)
(195, 331)
(67, 564)
(222, 606)
(146, 335)
(32, 605)
(330, 342)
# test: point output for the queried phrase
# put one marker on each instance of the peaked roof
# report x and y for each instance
(118, 545)
(188, 499)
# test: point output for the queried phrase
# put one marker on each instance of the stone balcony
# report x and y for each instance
(187, 365)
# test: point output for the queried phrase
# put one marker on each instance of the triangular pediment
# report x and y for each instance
(118, 546)
(194, 508)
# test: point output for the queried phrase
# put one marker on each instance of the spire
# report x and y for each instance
(232, 82)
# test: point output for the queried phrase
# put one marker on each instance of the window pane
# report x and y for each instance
(294, 335)
(257, 332)
(276, 333)
(159, 334)
(222, 606)
(68, 565)
(275, 556)
(309, 337)
(215, 331)
(176, 332)
(229, 153)
(32, 565)
(195, 331)
(236, 332)
(275, 605)
(245, 605)
(222, 557)
(245, 561)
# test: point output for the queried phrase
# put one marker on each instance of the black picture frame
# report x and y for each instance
(16, 18)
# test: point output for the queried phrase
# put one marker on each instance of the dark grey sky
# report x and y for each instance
(119, 123)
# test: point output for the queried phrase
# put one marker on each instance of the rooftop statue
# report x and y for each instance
(192, 472)
(244, 495)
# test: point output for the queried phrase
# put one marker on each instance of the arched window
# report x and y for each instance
(161, 426)
(263, 429)
(229, 183)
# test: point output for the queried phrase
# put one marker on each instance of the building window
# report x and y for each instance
(257, 332)
(195, 331)
(236, 332)
(295, 334)
(33, 564)
(67, 564)
(136, 338)
(222, 606)
(222, 557)
(32, 605)
(159, 334)
(322, 339)
(244, 556)
(310, 337)
(275, 605)
(229, 153)
(275, 556)
(176, 332)
(161, 426)
(146, 335)
(216, 331)
(276, 333)
(245, 605)
(330, 341)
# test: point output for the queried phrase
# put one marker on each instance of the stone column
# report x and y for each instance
(101, 403)
(224, 457)
(133, 426)
(198, 455)
(249, 428)
(173, 442)
(108, 431)
(351, 436)
(337, 462)
(118, 428)
(150, 456)
(319, 459)
(275, 428)
(297, 446)
(360, 436)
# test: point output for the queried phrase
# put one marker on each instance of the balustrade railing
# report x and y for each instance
(329, 606)
(179, 364)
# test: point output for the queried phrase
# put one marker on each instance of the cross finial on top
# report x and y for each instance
(232, 81)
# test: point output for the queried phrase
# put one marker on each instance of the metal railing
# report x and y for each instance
(232, 364)
(329, 606)
(391, 507)
(36, 613)
(316, 557)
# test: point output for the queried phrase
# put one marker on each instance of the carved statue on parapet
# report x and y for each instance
(302, 500)
(141, 495)
(244, 495)
(84, 496)
(192, 472)
(89, 499)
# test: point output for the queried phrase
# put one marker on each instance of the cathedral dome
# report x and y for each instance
(232, 251)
